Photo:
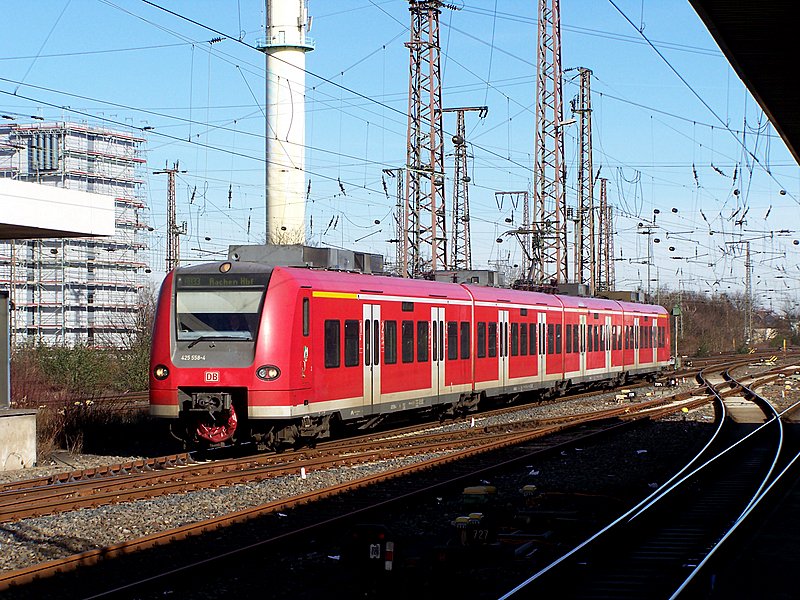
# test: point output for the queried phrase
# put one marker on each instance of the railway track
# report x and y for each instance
(663, 547)
(438, 448)
(425, 444)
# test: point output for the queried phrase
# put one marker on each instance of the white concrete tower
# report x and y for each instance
(285, 48)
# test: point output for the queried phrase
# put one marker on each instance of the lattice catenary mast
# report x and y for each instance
(460, 244)
(174, 231)
(549, 264)
(424, 194)
(605, 241)
(585, 262)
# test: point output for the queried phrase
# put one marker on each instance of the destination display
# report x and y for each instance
(219, 280)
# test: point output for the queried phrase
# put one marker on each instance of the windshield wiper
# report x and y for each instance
(210, 338)
(202, 338)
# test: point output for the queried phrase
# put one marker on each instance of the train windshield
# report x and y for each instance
(219, 314)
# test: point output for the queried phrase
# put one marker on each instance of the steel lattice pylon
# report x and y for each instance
(549, 248)
(424, 201)
(460, 244)
(174, 231)
(585, 261)
(605, 250)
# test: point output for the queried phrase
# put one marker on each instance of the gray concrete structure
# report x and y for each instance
(17, 439)
(34, 211)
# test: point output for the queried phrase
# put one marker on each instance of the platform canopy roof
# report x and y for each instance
(31, 210)
(759, 39)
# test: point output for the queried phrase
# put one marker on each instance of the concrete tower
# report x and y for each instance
(285, 48)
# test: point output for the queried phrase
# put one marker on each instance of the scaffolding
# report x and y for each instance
(85, 290)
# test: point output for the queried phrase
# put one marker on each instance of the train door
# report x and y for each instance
(654, 340)
(607, 341)
(502, 346)
(582, 347)
(372, 354)
(541, 320)
(437, 350)
(635, 343)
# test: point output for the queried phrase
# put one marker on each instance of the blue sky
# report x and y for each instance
(124, 63)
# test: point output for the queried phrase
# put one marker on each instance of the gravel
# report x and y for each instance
(45, 538)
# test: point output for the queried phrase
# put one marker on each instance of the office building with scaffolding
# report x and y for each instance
(75, 291)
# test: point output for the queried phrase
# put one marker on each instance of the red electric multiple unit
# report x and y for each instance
(242, 351)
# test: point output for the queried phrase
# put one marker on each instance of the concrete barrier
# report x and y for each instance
(17, 439)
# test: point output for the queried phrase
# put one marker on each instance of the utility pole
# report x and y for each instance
(549, 207)
(605, 241)
(585, 260)
(173, 230)
(460, 245)
(425, 222)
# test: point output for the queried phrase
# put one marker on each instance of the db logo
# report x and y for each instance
(212, 376)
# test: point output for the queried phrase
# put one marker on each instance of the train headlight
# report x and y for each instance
(268, 372)
(161, 372)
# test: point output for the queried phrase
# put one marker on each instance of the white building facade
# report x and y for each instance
(77, 291)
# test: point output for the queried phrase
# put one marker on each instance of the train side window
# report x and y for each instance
(576, 342)
(597, 337)
(602, 329)
(568, 341)
(422, 341)
(481, 349)
(452, 340)
(492, 340)
(514, 339)
(350, 343)
(558, 338)
(465, 341)
(550, 338)
(390, 342)
(613, 337)
(523, 339)
(407, 341)
(305, 317)
(532, 339)
(332, 343)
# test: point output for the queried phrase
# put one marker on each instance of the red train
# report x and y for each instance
(246, 352)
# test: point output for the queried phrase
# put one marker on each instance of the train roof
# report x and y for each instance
(634, 307)
(342, 281)
(492, 294)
